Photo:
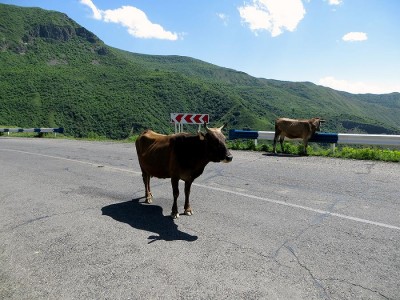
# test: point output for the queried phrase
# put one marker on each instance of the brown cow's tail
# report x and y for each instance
(141, 135)
(138, 142)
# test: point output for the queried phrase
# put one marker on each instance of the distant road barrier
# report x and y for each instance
(36, 130)
(323, 137)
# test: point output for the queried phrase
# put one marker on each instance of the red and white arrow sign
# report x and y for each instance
(182, 118)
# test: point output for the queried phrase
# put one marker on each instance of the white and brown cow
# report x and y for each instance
(181, 156)
(293, 129)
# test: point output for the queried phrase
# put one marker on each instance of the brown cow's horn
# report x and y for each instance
(223, 126)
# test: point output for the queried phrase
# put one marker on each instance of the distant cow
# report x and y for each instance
(293, 129)
(181, 156)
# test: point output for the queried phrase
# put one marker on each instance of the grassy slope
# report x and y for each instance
(56, 73)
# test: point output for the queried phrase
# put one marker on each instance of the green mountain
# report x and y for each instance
(55, 73)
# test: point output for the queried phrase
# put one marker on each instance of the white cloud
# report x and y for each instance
(95, 10)
(355, 37)
(224, 18)
(134, 19)
(137, 23)
(274, 16)
(358, 87)
(335, 2)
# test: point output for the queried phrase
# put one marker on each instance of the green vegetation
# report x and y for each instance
(291, 148)
(295, 148)
(55, 73)
(368, 154)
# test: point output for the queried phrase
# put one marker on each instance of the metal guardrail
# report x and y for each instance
(369, 139)
(323, 137)
(36, 130)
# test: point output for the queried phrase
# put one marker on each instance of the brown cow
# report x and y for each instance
(293, 129)
(181, 156)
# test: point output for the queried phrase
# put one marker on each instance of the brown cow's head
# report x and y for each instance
(216, 146)
(317, 123)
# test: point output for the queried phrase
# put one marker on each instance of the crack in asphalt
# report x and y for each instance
(315, 222)
(360, 286)
(47, 217)
(369, 167)
(239, 246)
(316, 282)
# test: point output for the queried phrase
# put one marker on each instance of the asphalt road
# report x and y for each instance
(73, 225)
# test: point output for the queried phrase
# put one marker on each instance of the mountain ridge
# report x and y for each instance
(57, 73)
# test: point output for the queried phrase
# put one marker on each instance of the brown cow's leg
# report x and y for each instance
(146, 181)
(305, 146)
(175, 192)
(281, 139)
(150, 195)
(188, 209)
(275, 140)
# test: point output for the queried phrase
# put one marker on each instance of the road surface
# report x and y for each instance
(73, 225)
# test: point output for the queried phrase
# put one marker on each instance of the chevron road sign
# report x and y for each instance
(181, 118)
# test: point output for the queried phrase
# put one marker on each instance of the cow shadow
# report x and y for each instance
(147, 217)
(280, 154)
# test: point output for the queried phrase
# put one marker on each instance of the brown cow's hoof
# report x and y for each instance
(174, 215)
(188, 212)
(149, 200)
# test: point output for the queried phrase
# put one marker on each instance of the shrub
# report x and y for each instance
(314, 149)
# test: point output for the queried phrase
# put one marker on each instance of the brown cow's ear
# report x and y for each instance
(201, 136)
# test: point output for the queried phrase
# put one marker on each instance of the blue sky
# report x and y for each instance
(349, 45)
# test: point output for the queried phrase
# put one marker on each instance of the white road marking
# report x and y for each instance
(74, 160)
(323, 212)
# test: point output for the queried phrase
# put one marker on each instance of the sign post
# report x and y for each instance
(182, 118)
